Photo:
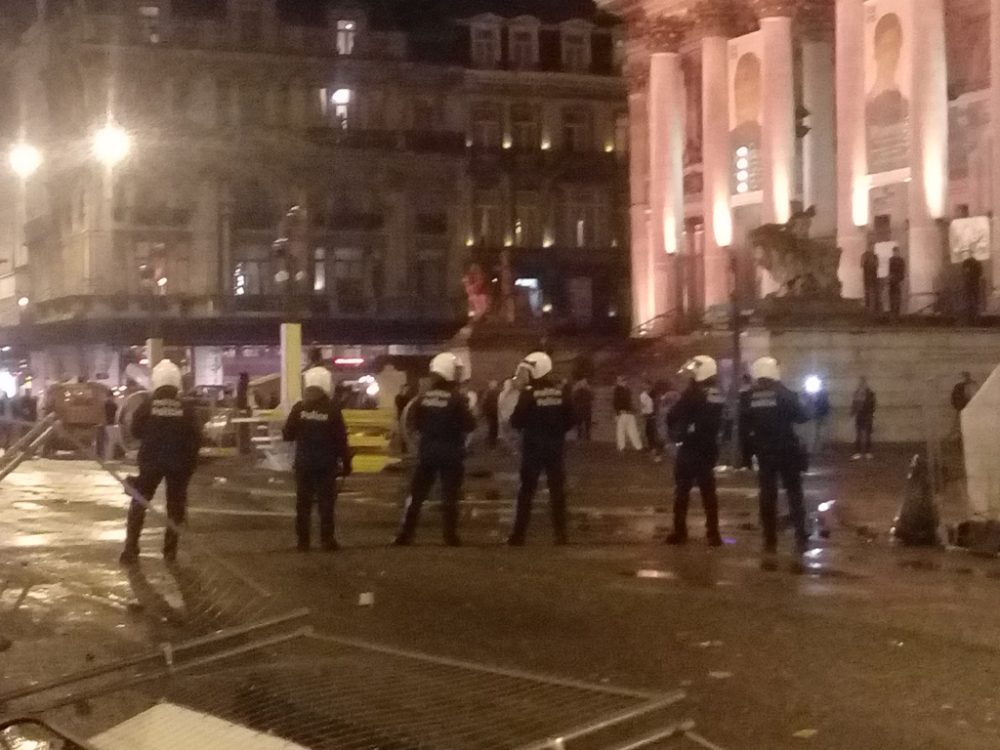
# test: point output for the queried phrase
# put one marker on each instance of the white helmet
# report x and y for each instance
(765, 368)
(700, 368)
(447, 366)
(538, 365)
(166, 373)
(318, 377)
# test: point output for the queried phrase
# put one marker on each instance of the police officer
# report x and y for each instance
(694, 423)
(443, 420)
(543, 416)
(316, 426)
(772, 411)
(170, 437)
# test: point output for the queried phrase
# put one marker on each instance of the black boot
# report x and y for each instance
(449, 517)
(677, 537)
(133, 530)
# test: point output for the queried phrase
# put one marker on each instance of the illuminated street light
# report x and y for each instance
(111, 144)
(23, 302)
(25, 160)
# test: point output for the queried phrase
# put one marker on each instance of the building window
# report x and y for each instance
(576, 52)
(621, 132)
(423, 115)
(149, 23)
(522, 48)
(524, 126)
(251, 24)
(248, 278)
(340, 108)
(346, 33)
(527, 220)
(429, 273)
(319, 269)
(579, 220)
(252, 104)
(486, 129)
(485, 46)
(577, 132)
(349, 278)
(487, 223)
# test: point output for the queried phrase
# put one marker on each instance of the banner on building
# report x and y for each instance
(888, 75)
(969, 237)
(745, 56)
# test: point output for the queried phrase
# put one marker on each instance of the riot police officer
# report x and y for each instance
(170, 438)
(694, 423)
(316, 426)
(443, 420)
(543, 416)
(772, 411)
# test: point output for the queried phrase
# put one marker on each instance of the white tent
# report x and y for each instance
(170, 727)
(982, 457)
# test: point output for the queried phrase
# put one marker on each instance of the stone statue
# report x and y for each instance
(801, 266)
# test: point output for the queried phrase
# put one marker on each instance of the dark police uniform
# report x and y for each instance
(694, 422)
(543, 415)
(170, 438)
(443, 420)
(316, 425)
(771, 412)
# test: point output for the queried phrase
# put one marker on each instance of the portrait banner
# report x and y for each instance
(888, 76)
(969, 237)
(745, 55)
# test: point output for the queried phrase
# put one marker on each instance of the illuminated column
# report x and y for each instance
(995, 131)
(928, 189)
(852, 159)
(778, 109)
(666, 155)
(714, 21)
(819, 153)
(643, 291)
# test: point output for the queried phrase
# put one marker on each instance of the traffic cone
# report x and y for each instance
(917, 521)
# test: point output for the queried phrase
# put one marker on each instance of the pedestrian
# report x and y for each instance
(583, 408)
(818, 405)
(863, 406)
(972, 285)
(897, 275)
(491, 413)
(107, 442)
(869, 274)
(169, 436)
(772, 411)
(694, 424)
(961, 395)
(543, 417)
(444, 420)
(316, 426)
(647, 411)
(626, 428)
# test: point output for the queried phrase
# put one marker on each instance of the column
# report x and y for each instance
(666, 160)
(643, 303)
(995, 134)
(777, 110)
(852, 159)
(819, 152)
(928, 188)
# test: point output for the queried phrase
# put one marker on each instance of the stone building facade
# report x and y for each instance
(413, 148)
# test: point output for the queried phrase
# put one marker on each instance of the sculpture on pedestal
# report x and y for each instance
(801, 266)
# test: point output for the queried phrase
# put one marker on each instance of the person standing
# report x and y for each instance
(543, 417)
(491, 413)
(647, 411)
(961, 395)
(819, 410)
(897, 275)
(772, 411)
(626, 428)
(869, 274)
(316, 426)
(444, 420)
(863, 406)
(170, 436)
(583, 408)
(972, 287)
(694, 423)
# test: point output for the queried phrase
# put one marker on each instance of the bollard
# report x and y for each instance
(916, 523)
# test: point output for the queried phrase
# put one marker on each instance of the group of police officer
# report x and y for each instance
(169, 435)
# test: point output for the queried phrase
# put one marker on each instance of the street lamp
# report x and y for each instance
(24, 160)
(111, 144)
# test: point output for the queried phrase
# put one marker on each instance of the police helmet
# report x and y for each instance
(166, 373)
(319, 377)
(537, 364)
(700, 368)
(765, 368)
(446, 366)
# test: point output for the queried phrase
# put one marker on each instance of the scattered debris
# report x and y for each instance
(651, 573)
(720, 675)
(710, 644)
(367, 599)
(805, 734)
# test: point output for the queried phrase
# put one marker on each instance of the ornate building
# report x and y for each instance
(875, 112)
(413, 144)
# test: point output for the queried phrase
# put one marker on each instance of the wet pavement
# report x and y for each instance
(862, 645)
